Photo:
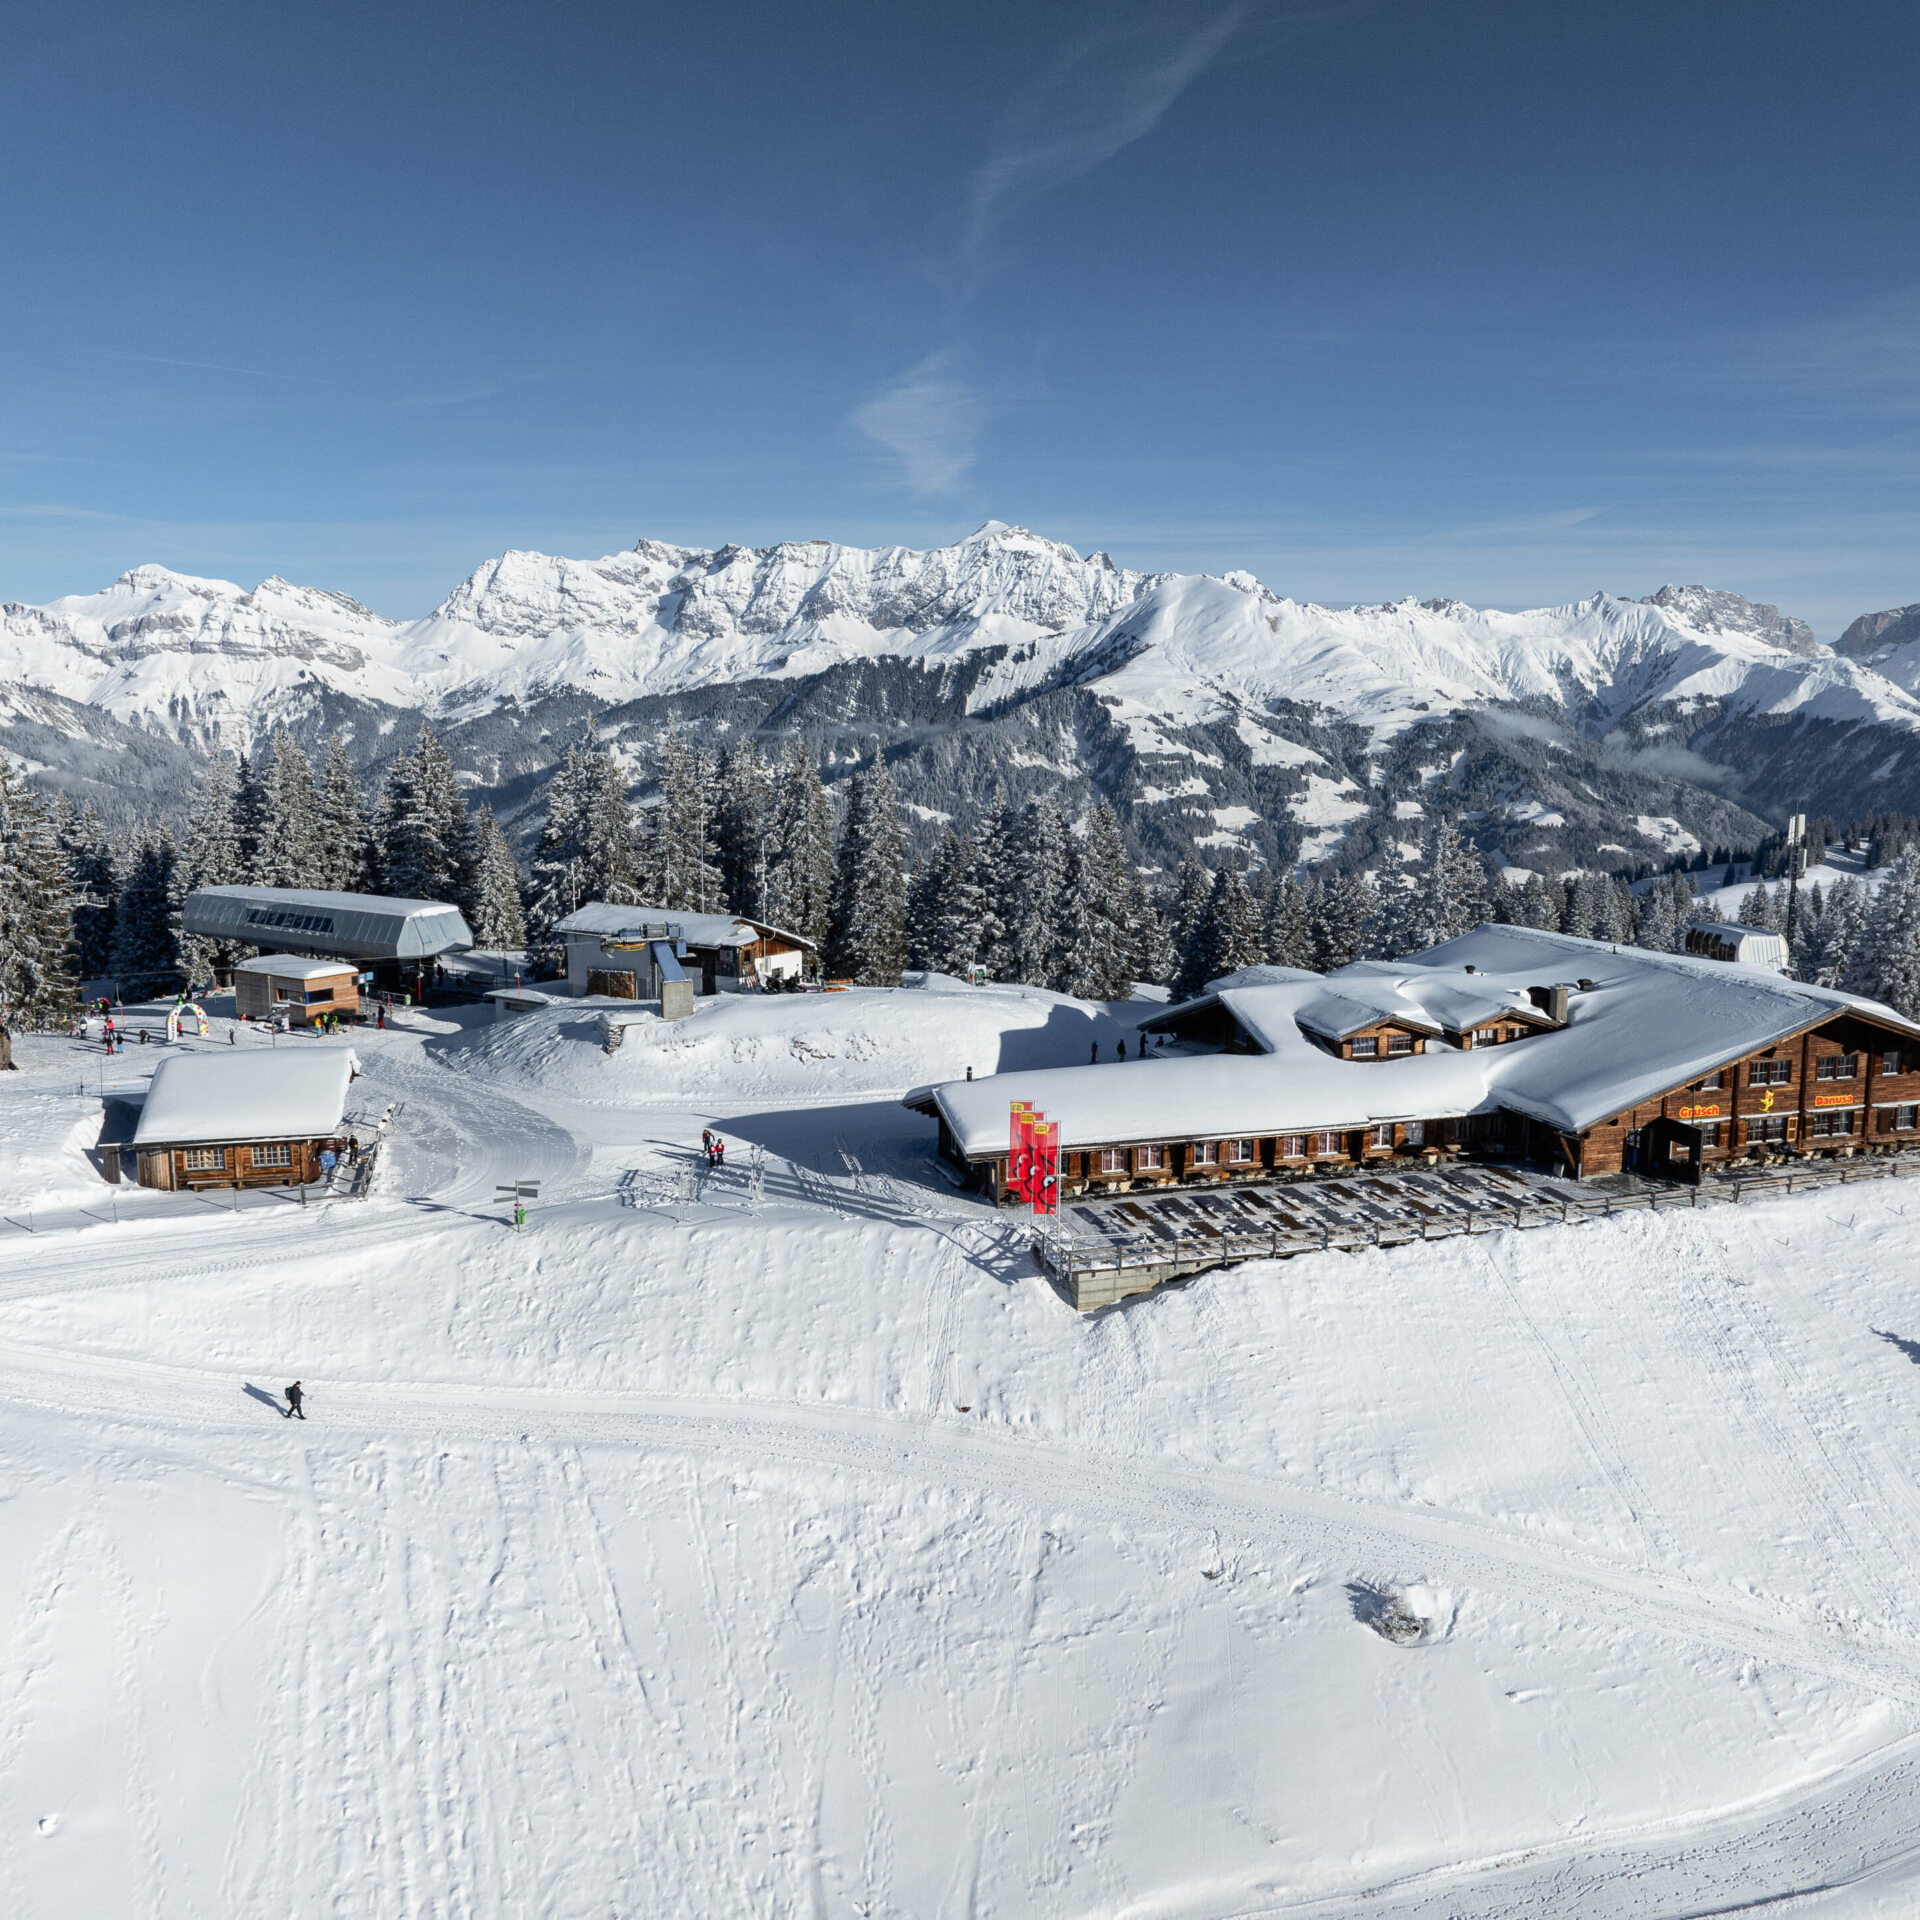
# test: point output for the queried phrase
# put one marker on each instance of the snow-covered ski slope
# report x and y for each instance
(675, 1558)
(162, 648)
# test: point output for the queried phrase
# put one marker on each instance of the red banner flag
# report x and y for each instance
(1020, 1150)
(1045, 1177)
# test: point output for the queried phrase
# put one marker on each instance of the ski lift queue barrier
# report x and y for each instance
(1097, 1276)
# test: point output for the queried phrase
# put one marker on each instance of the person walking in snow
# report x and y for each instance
(294, 1400)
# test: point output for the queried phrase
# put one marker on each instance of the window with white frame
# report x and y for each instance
(1399, 1043)
(1239, 1152)
(1293, 1146)
(1205, 1153)
(1769, 1073)
(1767, 1126)
(1826, 1125)
(1711, 1084)
(1366, 1049)
(1890, 1060)
(1414, 1133)
(1326, 1143)
(1381, 1136)
(1710, 1134)
(1905, 1119)
(1113, 1159)
(1485, 1036)
(1836, 1066)
(273, 1156)
(206, 1159)
(1147, 1158)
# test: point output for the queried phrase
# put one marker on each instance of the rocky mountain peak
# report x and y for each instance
(1712, 610)
(1872, 632)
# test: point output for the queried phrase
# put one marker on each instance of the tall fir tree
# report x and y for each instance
(495, 914)
(1155, 957)
(943, 932)
(1226, 937)
(745, 835)
(1890, 961)
(211, 857)
(1098, 938)
(289, 849)
(346, 854)
(36, 914)
(800, 885)
(437, 787)
(89, 856)
(1289, 924)
(559, 857)
(413, 856)
(997, 839)
(1449, 888)
(145, 960)
(1033, 906)
(249, 820)
(867, 936)
(677, 867)
(1185, 906)
(1340, 907)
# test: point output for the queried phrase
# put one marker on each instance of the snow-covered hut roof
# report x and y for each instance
(293, 966)
(282, 1093)
(696, 929)
(346, 926)
(1647, 1022)
(1730, 940)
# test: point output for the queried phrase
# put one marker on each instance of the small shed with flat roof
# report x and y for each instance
(304, 990)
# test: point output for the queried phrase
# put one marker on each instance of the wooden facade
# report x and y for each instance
(257, 1163)
(1845, 1084)
(303, 998)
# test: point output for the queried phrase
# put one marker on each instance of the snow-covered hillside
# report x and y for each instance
(1168, 649)
(687, 1554)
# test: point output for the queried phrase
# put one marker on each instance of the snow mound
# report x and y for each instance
(1414, 1615)
(750, 1046)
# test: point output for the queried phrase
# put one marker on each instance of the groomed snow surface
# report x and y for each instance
(674, 1558)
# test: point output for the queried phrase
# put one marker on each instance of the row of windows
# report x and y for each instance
(1779, 1073)
(1369, 1047)
(1213, 1153)
(286, 917)
(214, 1159)
(1819, 1126)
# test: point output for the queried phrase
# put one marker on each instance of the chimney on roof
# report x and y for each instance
(1469, 966)
(1552, 1001)
(1585, 986)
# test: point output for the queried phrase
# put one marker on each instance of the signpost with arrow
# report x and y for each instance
(518, 1194)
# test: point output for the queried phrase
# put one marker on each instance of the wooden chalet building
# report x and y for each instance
(250, 1117)
(1580, 1057)
(609, 949)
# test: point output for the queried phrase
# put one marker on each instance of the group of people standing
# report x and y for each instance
(714, 1148)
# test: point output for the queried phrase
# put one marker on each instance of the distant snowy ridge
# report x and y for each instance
(206, 659)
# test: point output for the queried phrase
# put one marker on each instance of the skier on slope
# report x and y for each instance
(294, 1400)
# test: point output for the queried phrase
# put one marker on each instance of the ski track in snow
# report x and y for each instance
(448, 1546)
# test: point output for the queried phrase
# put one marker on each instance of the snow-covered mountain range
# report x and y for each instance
(1004, 622)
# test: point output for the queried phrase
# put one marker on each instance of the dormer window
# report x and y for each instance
(1486, 1036)
(1367, 1049)
(1399, 1043)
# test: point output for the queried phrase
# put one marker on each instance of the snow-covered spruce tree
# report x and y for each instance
(210, 858)
(1834, 951)
(1034, 905)
(89, 856)
(145, 960)
(1154, 955)
(1184, 906)
(867, 935)
(609, 855)
(945, 932)
(249, 820)
(1530, 904)
(1393, 928)
(290, 851)
(800, 887)
(677, 865)
(36, 919)
(1598, 908)
(1451, 886)
(1765, 907)
(495, 915)
(555, 889)
(413, 857)
(1098, 937)
(440, 798)
(1340, 907)
(997, 840)
(345, 853)
(1892, 948)
(744, 836)
(1289, 928)
(1662, 912)
(1226, 936)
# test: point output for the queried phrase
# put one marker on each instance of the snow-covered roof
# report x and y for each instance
(279, 1093)
(293, 966)
(1647, 1023)
(696, 929)
(349, 926)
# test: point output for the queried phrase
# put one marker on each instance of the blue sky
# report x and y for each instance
(1504, 301)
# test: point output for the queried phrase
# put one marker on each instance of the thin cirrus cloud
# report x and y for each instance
(1103, 92)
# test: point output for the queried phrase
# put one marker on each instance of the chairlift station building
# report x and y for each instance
(372, 929)
(1507, 1042)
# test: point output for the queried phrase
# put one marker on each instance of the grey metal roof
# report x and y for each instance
(346, 926)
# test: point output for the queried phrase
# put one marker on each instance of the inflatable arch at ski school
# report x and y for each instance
(180, 1012)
